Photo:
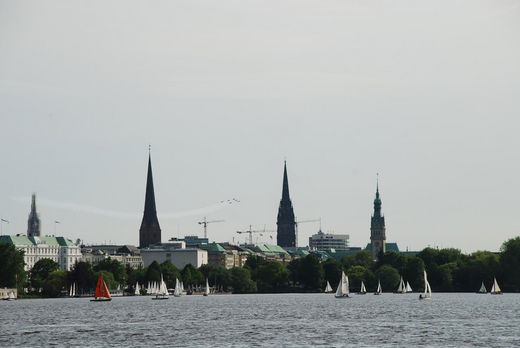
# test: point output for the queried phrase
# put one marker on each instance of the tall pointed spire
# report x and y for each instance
(377, 227)
(33, 223)
(150, 231)
(285, 187)
(286, 236)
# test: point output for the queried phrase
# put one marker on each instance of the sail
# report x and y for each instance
(408, 287)
(11, 296)
(401, 287)
(379, 290)
(342, 289)
(482, 288)
(427, 288)
(328, 288)
(178, 290)
(206, 291)
(495, 288)
(70, 291)
(363, 289)
(137, 289)
(101, 288)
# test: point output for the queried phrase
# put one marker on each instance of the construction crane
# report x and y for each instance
(251, 231)
(205, 224)
(296, 223)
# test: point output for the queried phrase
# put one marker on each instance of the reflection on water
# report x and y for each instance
(448, 320)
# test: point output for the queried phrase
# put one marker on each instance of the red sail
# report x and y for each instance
(101, 288)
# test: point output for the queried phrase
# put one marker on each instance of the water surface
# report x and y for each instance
(448, 320)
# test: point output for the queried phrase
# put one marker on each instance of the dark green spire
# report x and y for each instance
(150, 231)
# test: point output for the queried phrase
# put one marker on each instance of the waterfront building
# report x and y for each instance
(286, 224)
(59, 249)
(377, 228)
(150, 231)
(190, 241)
(225, 255)
(126, 254)
(178, 257)
(33, 223)
(327, 241)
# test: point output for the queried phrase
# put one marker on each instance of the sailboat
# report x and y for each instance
(101, 293)
(162, 291)
(495, 289)
(137, 291)
(408, 287)
(427, 290)
(362, 290)
(183, 292)
(206, 290)
(343, 288)
(328, 288)
(401, 289)
(178, 290)
(482, 289)
(378, 290)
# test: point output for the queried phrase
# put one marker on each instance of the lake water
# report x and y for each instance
(448, 320)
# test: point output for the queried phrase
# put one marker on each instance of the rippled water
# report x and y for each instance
(448, 320)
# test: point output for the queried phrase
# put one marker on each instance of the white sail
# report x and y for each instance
(178, 290)
(73, 289)
(379, 290)
(402, 287)
(206, 290)
(343, 286)
(363, 289)
(427, 289)
(70, 291)
(408, 287)
(182, 287)
(328, 288)
(11, 296)
(495, 289)
(482, 288)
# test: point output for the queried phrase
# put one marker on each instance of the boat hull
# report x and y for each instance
(342, 296)
(101, 300)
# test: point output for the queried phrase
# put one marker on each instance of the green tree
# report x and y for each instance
(40, 271)
(388, 276)
(83, 275)
(170, 273)
(294, 271)
(54, 284)
(191, 276)
(357, 274)
(414, 271)
(311, 271)
(272, 277)
(332, 269)
(136, 275)
(220, 276)
(11, 266)
(253, 262)
(153, 272)
(241, 281)
(113, 266)
(510, 263)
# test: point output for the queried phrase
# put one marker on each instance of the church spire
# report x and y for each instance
(285, 187)
(286, 230)
(150, 231)
(377, 227)
(33, 223)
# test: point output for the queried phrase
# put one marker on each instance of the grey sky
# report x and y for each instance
(425, 93)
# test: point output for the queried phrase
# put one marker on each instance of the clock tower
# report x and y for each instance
(377, 228)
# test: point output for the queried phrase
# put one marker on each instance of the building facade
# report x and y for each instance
(59, 249)
(150, 231)
(178, 257)
(377, 228)
(286, 224)
(326, 241)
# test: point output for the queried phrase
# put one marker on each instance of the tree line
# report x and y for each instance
(448, 270)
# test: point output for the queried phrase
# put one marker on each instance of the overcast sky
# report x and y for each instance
(425, 93)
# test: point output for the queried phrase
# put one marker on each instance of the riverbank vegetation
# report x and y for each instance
(448, 270)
